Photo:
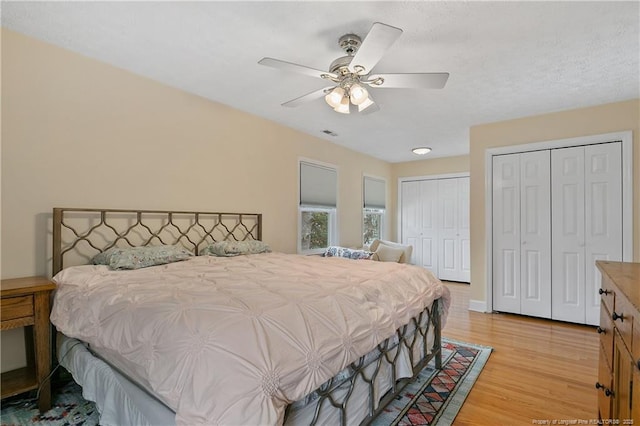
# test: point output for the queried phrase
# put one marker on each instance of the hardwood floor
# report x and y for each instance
(538, 370)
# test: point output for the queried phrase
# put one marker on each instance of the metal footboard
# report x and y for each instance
(336, 393)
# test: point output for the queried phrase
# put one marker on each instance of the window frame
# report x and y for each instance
(332, 224)
(382, 212)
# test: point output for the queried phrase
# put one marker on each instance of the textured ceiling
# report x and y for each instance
(505, 59)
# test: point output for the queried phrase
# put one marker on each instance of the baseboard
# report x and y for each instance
(478, 305)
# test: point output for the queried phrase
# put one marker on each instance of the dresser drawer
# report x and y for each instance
(605, 330)
(16, 307)
(624, 325)
(607, 292)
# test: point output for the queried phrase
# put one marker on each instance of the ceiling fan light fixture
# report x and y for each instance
(358, 94)
(365, 104)
(335, 97)
(423, 150)
(343, 106)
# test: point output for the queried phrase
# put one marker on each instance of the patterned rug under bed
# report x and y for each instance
(435, 397)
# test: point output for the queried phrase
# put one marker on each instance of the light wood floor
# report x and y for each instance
(538, 370)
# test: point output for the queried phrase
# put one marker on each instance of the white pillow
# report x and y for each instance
(388, 254)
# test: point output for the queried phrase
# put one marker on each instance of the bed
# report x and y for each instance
(259, 338)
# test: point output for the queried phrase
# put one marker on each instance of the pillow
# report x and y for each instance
(235, 248)
(140, 257)
(336, 251)
(388, 254)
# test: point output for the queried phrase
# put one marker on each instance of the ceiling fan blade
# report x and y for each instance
(433, 80)
(308, 97)
(380, 38)
(288, 66)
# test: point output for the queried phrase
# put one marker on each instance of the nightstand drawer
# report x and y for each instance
(16, 307)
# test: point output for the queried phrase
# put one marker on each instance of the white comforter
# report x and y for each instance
(232, 341)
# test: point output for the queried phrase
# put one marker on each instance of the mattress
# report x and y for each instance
(236, 340)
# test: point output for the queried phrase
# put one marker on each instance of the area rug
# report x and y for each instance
(434, 397)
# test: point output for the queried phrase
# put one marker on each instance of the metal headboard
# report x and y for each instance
(79, 234)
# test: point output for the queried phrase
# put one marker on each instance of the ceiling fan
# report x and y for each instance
(352, 75)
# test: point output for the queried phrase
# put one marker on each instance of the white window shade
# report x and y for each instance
(374, 193)
(318, 185)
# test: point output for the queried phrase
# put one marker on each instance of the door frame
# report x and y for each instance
(626, 137)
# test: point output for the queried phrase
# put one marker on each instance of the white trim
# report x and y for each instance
(478, 306)
(413, 178)
(626, 137)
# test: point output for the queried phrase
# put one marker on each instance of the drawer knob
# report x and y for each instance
(608, 392)
(599, 386)
(616, 316)
(603, 291)
(601, 330)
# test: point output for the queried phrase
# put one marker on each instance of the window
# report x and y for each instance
(318, 195)
(374, 209)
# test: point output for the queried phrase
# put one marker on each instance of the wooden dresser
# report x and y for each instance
(25, 302)
(619, 364)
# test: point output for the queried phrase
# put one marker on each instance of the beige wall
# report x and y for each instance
(79, 133)
(596, 120)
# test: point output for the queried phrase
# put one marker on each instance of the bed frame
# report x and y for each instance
(79, 234)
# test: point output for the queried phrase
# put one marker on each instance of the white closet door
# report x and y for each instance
(535, 233)
(411, 211)
(506, 233)
(419, 222)
(603, 217)
(453, 241)
(568, 239)
(428, 240)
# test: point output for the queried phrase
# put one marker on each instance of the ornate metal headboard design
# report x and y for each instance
(79, 234)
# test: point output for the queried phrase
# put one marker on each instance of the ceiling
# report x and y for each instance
(506, 59)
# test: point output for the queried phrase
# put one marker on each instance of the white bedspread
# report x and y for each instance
(232, 341)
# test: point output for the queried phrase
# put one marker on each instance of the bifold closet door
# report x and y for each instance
(587, 226)
(522, 233)
(419, 222)
(454, 263)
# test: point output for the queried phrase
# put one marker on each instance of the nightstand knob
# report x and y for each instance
(607, 392)
(601, 330)
(603, 291)
(615, 316)
(599, 386)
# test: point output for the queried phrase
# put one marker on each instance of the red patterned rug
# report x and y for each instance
(435, 397)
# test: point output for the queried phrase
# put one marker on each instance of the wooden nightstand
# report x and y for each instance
(25, 302)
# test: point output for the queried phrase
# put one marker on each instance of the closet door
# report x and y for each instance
(603, 217)
(453, 240)
(522, 233)
(419, 222)
(506, 233)
(535, 233)
(567, 169)
(587, 226)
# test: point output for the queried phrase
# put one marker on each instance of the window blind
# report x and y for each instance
(374, 193)
(318, 185)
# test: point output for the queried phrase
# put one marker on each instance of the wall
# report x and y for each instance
(79, 133)
(601, 119)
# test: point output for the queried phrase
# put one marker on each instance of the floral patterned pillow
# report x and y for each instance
(336, 251)
(235, 248)
(140, 257)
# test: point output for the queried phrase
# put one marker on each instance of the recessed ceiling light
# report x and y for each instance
(421, 150)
